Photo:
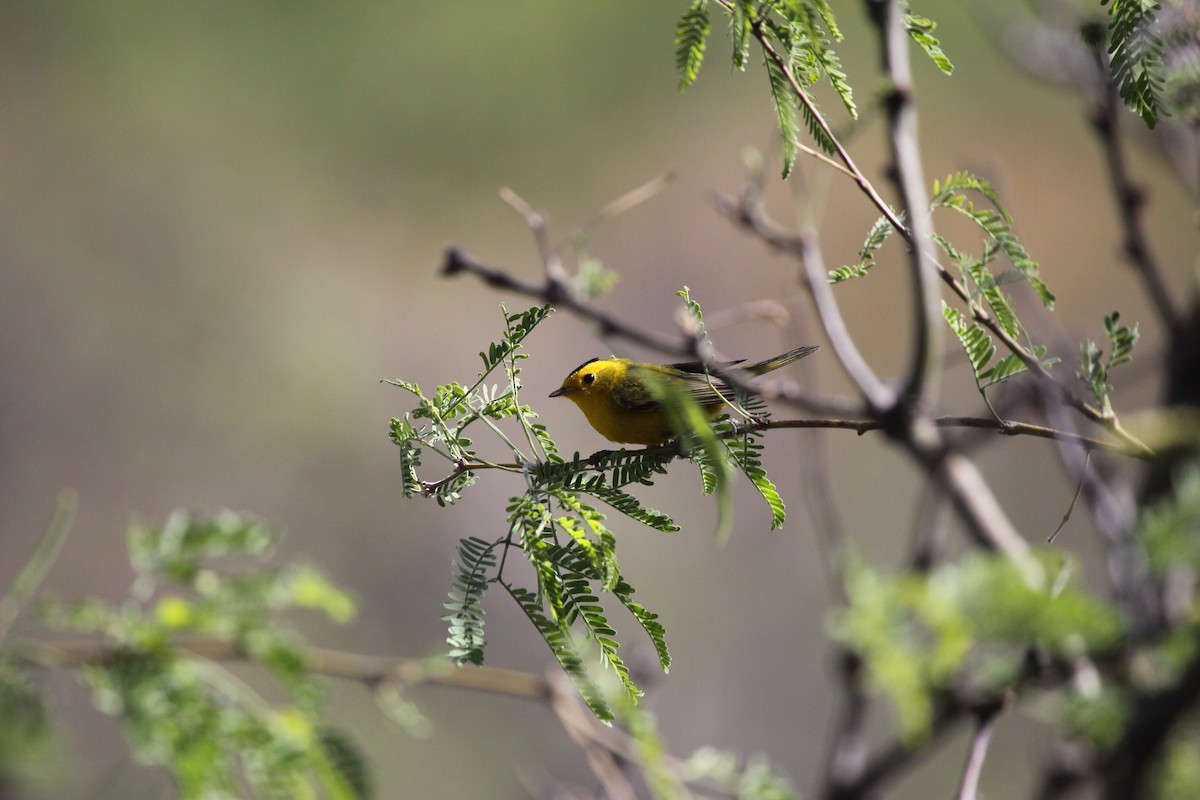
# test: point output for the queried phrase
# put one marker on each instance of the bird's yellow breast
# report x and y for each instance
(622, 425)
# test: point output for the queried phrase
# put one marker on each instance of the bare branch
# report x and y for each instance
(968, 788)
(888, 16)
(557, 293)
(754, 218)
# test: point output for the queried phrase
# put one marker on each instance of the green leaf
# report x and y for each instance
(811, 48)
(403, 434)
(476, 560)
(921, 31)
(740, 14)
(876, 236)
(785, 112)
(624, 502)
(974, 339)
(349, 771)
(1121, 338)
(1136, 56)
(558, 638)
(585, 606)
(1094, 368)
(306, 587)
(648, 621)
(176, 549)
(746, 451)
(1168, 529)
(518, 326)
(691, 37)
(996, 223)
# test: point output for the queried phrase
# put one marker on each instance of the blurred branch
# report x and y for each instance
(1130, 199)
(1152, 720)
(929, 531)
(985, 723)
(847, 757)
(630, 200)
(371, 671)
(1003, 428)
(35, 569)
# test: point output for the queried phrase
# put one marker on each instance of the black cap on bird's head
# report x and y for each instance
(567, 387)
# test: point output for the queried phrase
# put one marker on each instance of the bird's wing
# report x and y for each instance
(697, 367)
(635, 395)
(638, 396)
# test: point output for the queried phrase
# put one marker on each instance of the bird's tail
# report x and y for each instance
(763, 367)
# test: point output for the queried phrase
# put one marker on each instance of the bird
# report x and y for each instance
(618, 399)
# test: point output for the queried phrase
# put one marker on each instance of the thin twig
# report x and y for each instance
(555, 274)
(600, 758)
(34, 571)
(630, 200)
(1074, 499)
(558, 294)
(968, 788)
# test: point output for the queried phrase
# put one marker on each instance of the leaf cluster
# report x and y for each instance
(967, 626)
(1094, 366)
(796, 40)
(1135, 50)
(216, 736)
(755, 779)
(563, 537)
(554, 525)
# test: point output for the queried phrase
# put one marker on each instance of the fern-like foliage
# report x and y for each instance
(553, 524)
(967, 623)
(1135, 51)
(981, 350)
(986, 287)
(213, 731)
(558, 637)
(876, 236)
(995, 222)
(921, 30)
(812, 30)
(648, 620)
(745, 449)
(476, 560)
(1094, 368)
(696, 433)
(785, 112)
(691, 38)
(795, 37)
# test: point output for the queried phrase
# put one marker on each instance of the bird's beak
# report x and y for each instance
(559, 392)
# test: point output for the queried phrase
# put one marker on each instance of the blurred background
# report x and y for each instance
(221, 225)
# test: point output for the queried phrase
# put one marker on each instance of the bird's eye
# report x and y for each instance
(589, 378)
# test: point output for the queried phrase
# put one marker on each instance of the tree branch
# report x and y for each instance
(888, 16)
(1106, 122)
(986, 718)
(556, 292)
(371, 671)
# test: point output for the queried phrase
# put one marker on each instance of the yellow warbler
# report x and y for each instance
(616, 397)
